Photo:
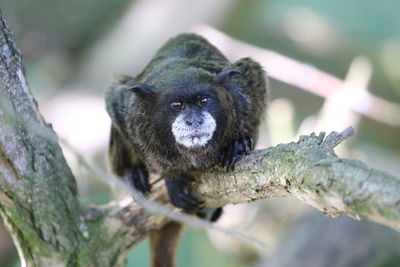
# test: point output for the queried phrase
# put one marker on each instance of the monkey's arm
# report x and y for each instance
(253, 85)
(125, 163)
(250, 93)
(118, 155)
(124, 160)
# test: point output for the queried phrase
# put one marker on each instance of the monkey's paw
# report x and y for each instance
(179, 197)
(138, 177)
(242, 146)
(210, 214)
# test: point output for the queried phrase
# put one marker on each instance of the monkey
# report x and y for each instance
(188, 109)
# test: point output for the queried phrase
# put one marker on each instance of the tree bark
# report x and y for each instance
(310, 171)
(51, 227)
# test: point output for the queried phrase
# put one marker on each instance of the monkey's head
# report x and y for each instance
(191, 107)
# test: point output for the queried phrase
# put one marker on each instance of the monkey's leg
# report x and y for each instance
(177, 185)
(138, 177)
(163, 244)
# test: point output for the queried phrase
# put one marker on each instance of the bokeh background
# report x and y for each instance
(332, 64)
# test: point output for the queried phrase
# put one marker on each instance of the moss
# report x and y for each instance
(359, 208)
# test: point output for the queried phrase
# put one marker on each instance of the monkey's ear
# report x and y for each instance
(226, 75)
(141, 89)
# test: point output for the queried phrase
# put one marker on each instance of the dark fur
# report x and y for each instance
(185, 68)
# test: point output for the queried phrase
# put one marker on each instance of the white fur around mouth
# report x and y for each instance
(190, 137)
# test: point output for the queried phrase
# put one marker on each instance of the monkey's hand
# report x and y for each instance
(179, 197)
(241, 146)
(138, 177)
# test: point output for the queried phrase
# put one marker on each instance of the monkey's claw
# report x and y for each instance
(138, 177)
(185, 202)
(230, 156)
(243, 145)
(210, 214)
(247, 144)
(181, 199)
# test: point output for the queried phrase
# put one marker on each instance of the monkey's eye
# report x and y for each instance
(204, 101)
(177, 105)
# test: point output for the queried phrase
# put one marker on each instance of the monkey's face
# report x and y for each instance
(194, 111)
(193, 126)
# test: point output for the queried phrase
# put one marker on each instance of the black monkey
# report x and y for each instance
(189, 109)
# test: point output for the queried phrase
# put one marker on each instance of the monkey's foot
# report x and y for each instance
(243, 145)
(210, 214)
(179, 197)
(138, 177)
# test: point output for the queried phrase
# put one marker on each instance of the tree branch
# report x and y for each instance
(310, 171)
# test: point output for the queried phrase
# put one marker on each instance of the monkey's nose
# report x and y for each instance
(194, 122)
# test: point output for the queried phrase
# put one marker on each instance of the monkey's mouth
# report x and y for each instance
(196, 134)
(194, 139)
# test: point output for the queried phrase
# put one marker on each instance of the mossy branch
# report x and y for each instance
(310, 171)
(51, 227)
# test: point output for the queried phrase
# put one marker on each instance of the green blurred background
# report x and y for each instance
(72, 48)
